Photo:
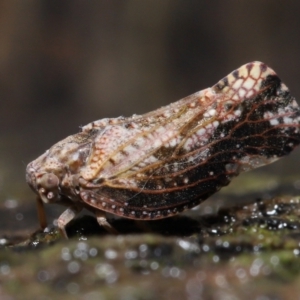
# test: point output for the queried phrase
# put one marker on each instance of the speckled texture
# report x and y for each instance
(159, 164)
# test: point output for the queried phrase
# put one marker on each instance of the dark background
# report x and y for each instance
(66, 63)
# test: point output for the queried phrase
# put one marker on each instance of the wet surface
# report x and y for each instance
(250, 251)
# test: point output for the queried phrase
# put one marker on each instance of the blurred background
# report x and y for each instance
(66, 63)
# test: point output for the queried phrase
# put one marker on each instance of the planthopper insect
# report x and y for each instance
(153, 166)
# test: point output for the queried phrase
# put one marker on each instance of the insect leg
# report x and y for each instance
(101, 218)
(68, 215)
(41, 213)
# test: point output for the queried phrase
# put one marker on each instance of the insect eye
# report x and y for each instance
(48, 187)
(48, 181)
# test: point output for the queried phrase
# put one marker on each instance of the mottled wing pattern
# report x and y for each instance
(158, 164)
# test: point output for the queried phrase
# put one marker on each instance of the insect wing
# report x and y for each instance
(159, 164)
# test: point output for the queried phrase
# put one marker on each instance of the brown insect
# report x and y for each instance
(156, 165)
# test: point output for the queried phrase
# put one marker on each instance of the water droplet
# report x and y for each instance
(73, 267)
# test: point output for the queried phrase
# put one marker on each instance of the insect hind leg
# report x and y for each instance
(102, 221)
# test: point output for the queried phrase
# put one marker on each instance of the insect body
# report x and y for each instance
(156, 165)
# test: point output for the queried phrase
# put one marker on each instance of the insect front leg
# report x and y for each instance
(41, 213)
(67, 216)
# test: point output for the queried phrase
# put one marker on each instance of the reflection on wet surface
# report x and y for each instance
(194, 256)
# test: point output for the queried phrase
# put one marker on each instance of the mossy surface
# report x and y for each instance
(245, 252)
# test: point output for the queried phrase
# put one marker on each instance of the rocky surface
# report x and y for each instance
(250, 251)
